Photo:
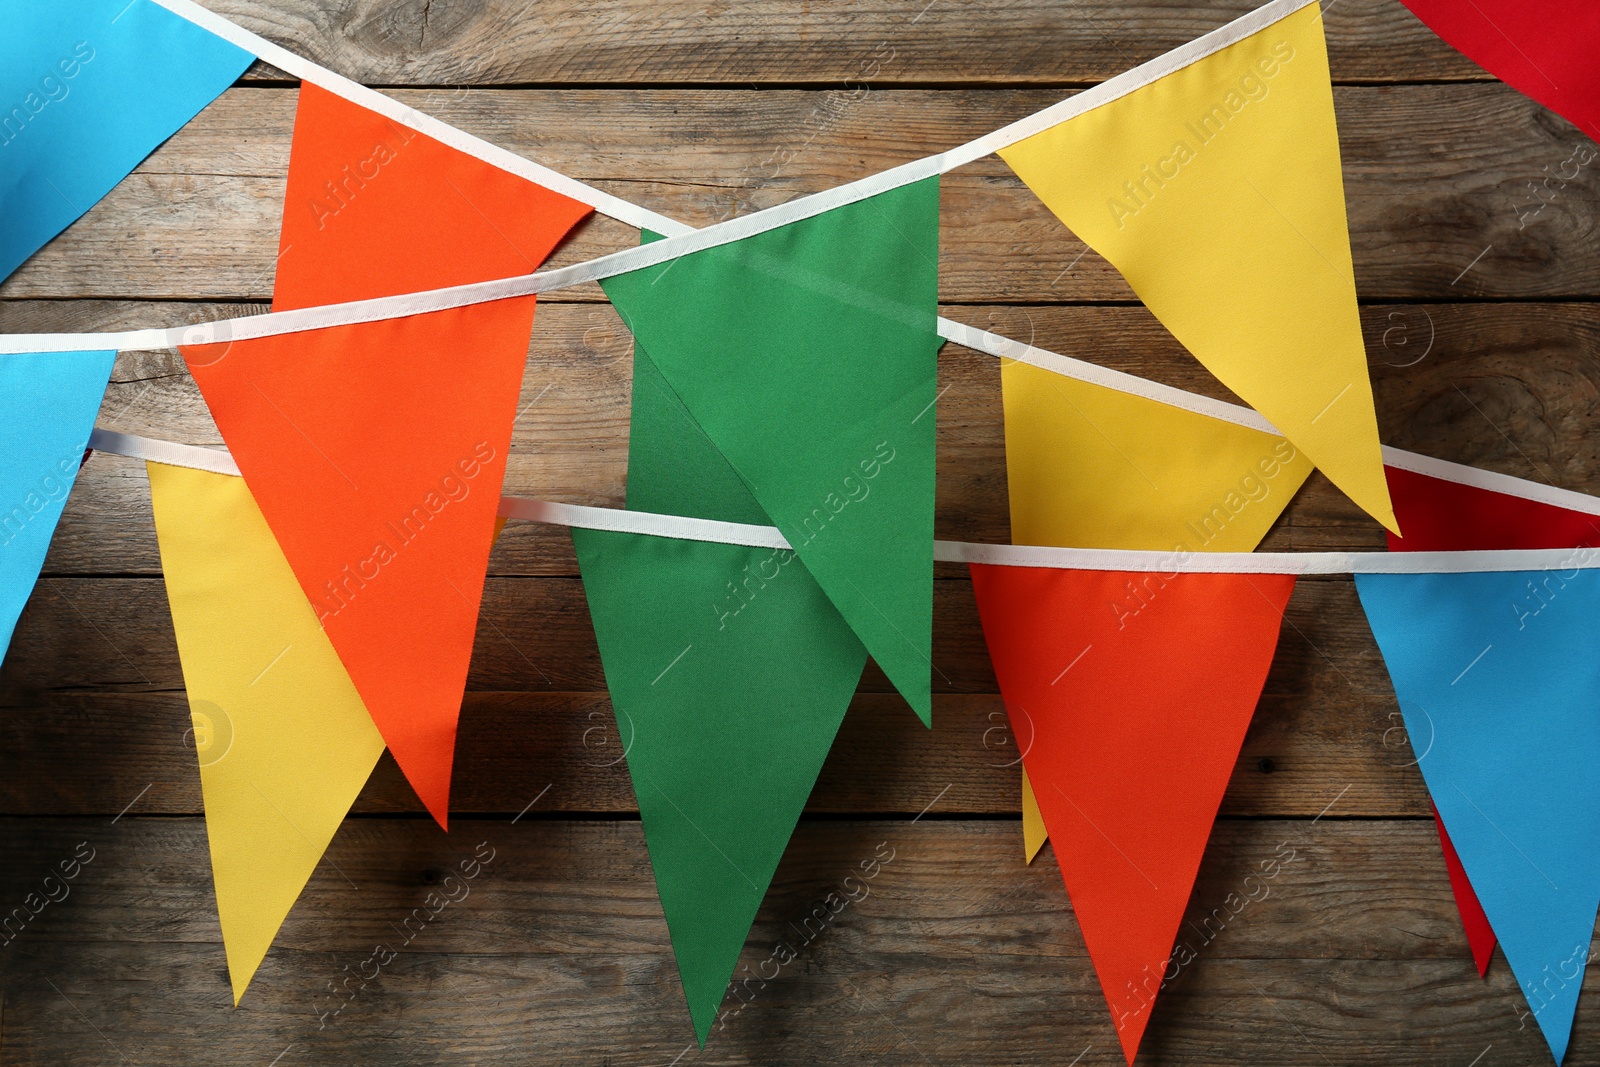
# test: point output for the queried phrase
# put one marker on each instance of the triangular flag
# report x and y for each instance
(1034, 834)
(48, 402)
(283, 740)
(727, 719)
(1136, 691)
(377, 453)
(807, 354)
(1542, 48)
(702, 738)
(90, 88)
(1216, 191)
(1090, 466)
(374, 208)
(1480, 935)
(1507, 701)
(1440, 515)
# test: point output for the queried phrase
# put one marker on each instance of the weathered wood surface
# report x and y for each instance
(954, 952)
(942, 42)
(1483, 329)
(1435, 175)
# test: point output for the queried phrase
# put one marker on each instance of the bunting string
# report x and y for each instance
(680, 240)
(1087, 559)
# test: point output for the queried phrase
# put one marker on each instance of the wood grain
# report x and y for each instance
(954, 952)
(1435, 177)
(766, 42)
(1483, 328)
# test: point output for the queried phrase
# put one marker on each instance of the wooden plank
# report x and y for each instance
(1349, 952)
(95, 750)
(89, 653)
(890, 42)
(1505, 386)
(1436, 179)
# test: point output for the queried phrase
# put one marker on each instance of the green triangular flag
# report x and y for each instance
(725, 741)
(807, 354)
(730, 672)
(726, 719)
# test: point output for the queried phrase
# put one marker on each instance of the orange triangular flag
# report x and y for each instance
(374, 208)
(1138, 689)
(377, 453)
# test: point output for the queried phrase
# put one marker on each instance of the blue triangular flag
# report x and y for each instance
(87, 90)
(48, 402)
(1499, 681)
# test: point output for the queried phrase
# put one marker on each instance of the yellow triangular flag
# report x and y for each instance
(1034, 835)
(1216, 191)
(284, 742)
(1089, 466)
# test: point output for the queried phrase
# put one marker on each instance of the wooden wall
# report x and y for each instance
(1484, 343)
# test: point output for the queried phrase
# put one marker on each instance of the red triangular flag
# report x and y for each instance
(377, 454)
(1439, 515)
(1480, 935)
(1545, 49)
(1136, 690)
(374, 208)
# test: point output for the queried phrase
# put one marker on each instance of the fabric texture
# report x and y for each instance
(88, 89)
(48, 402)
(377, 453)
(1217, 192)
(283, 741)
(1130, 695)
(808, 356)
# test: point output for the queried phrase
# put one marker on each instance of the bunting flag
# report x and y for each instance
(727, 714)
(1544, 49)
(1216, 190)
(48, 402)
(377, 453)
(1440, 515)
(284, 742)
(1136, 690)
(353, 173)
(807, 354)
(1480, 935)
(1498, 671)
(87, 90)
(1089, 466)
(1034, 833)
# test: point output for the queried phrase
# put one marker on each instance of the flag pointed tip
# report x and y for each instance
(1130, 1031)
(704, 1014)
